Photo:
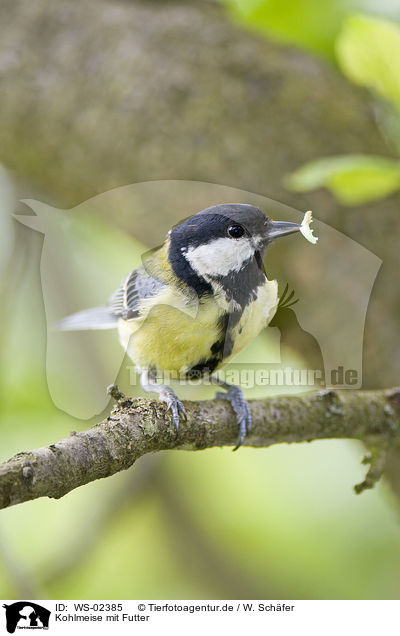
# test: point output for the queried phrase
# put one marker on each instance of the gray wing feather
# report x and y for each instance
(95, 318)
(125, 302)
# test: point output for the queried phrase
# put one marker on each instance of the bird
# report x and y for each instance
(195, 302)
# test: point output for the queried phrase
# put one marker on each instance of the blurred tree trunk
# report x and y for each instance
(97, 94)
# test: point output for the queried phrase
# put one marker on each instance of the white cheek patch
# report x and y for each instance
(221, 256)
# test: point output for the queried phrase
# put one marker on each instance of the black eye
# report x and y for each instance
(235, 231)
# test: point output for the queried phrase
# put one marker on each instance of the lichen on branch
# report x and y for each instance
(137, 427)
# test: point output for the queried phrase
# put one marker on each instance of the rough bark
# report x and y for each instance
(137, 427)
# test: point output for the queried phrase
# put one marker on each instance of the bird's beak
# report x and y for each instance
(281, 228)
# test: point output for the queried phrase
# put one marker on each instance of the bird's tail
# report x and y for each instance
(95, 318)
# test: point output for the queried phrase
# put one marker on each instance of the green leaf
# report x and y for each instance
(368, 51)
(310, 24)
(353, 179)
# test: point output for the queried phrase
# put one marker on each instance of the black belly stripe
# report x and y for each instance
(204, 367)
(220, 349)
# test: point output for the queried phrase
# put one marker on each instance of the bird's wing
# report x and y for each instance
(125, 302)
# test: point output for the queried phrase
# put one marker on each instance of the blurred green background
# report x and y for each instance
(295, 100)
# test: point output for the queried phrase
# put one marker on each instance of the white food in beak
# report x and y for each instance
(305, 229)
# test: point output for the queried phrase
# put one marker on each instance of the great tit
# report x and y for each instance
(195, 302)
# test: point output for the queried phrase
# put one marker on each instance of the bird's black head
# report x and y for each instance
(222, 240)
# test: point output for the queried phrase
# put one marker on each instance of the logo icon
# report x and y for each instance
(26, 615)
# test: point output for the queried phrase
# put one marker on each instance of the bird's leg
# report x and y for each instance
(239, 404)
(165, 394)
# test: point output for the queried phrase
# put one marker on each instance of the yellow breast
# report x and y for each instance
(174, 333)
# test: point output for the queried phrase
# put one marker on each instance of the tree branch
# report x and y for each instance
(136, 427)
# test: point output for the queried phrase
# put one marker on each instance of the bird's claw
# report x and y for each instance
(239, 404)
(175, 406)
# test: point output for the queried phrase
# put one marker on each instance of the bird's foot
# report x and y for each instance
(174, 405)
(239, 404)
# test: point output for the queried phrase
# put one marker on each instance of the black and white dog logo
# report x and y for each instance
(26, 615)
